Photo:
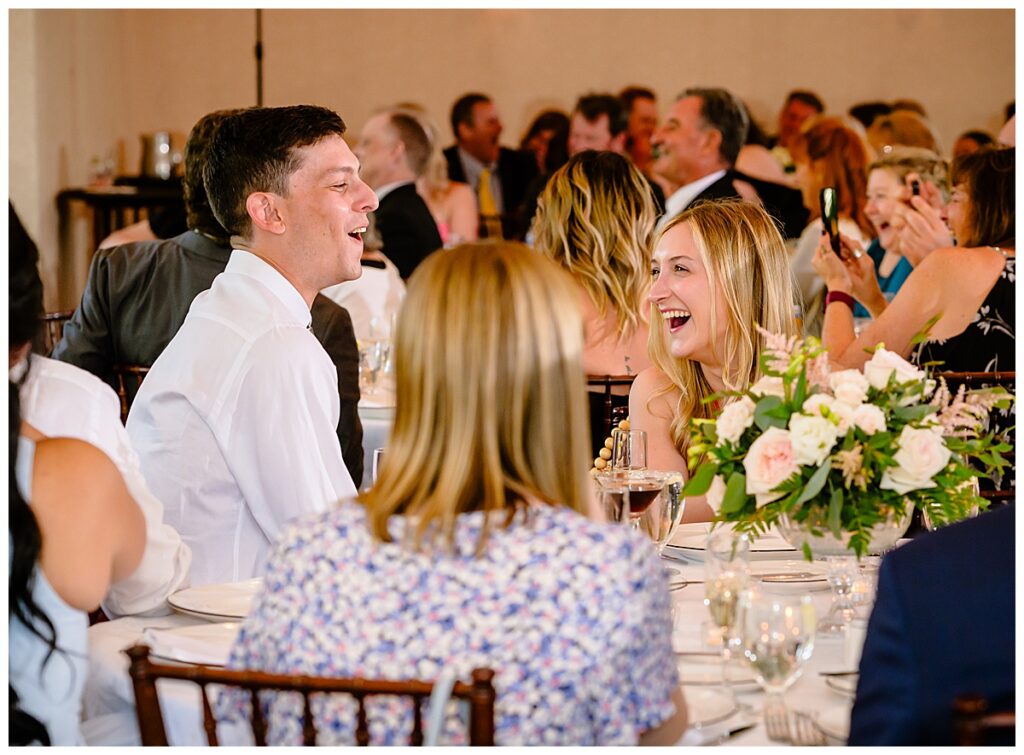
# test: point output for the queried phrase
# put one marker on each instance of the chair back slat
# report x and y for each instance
(129, 378)
(52, 330)
(362, 725)
(480, 695)
(972, 722)
(259, 725)
(209, 722)
(416, 738)
(607, 383)
(308, 725)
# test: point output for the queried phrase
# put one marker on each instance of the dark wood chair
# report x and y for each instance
(974, 725)
(479, 694)
(607, 384)
(52, 330)
(129, 378)
(1004, 379)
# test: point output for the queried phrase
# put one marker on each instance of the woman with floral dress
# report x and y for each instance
(475, 547)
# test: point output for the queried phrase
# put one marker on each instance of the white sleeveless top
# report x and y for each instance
(51, 692)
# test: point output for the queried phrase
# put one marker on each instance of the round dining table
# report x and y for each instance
(109, 715)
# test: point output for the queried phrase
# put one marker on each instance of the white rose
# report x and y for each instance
(734, 419)
(812, 438)
(842, 413)
(884, 363)
(769, 462)
(769, 386)
(869, 418)
(849, 386)
(921, 455)
(716, 493)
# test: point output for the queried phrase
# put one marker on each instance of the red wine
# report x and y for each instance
(641, 495)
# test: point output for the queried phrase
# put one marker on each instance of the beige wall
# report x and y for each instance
(89, 82)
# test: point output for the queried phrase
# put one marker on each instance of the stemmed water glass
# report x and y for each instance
(776, 633)
(726, 575)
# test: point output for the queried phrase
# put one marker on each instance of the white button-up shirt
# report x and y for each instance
(682, 197)
(61, 400)
(235, 422)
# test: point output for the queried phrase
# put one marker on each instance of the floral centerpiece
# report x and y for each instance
(843, 451)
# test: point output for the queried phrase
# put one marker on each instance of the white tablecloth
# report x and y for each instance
(109, 700)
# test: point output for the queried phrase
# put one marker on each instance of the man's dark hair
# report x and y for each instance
(720, 110)
(593, 106)
(806, 97)
(629, 95)
(866, 112)
(981, 138)
(1011, 108)
(911, 105)
(462, 110)
(417, 144)
(197, 205)
(254, 150)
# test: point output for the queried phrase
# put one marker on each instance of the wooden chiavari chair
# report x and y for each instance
(479, 694)
(607, 383)
(129, 378)
(52, 330)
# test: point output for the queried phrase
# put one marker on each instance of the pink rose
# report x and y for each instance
(716, 493)
(736, 417)
(922, 454)
(769, 462)
(885, 363)
(869, 418)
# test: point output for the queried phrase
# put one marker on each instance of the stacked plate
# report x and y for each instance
(228, 601)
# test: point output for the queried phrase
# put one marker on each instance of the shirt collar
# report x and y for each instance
(472, 164)
(386, 189)
(682, 196)
(246, 263)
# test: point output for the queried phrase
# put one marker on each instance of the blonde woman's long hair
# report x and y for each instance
(747, 262)
(596, 219)
(491, 396)
(435, 172)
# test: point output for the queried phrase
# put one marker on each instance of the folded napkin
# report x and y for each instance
(205, 644)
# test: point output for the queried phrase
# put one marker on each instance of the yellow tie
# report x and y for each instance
(490, 219)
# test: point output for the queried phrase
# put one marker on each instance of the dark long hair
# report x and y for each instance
(26, 305)
(988, 176)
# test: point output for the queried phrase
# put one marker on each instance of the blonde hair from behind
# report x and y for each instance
(596, 218)
(435, 172)
(747, 262)
(491, 406)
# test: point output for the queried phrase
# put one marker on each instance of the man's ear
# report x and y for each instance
(264, 211)
(618, 142)
(713, 141)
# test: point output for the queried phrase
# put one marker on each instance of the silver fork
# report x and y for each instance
(806, 731)
(776, 720)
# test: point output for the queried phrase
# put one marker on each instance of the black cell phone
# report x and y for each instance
(830, 217)
(915, 188)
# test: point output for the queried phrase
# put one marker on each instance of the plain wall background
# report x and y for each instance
(87, 83)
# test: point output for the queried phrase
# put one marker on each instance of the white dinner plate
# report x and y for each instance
(707, 705)
(690, 541)
(705, 669)
(835, 722)
(219, 602)
(791, 576)
(844, 685)
(204, 644)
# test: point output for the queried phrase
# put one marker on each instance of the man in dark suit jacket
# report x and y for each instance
(477, 128)
(138, 294)
(942, 625)
(696, 147)
(393, 150)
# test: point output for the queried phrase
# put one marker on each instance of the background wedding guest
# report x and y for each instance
(971, 141)
(642, 119)
(828, 154)
(483, 555)
(234, 424)
(942, 626)
(901, 127)
(596, 219)
(719, 269)
(547, 139)
(800, 106)
(120, 320)
(452, 203)
(697, 145)
(73, 529)
(498, 175)
(393, 151)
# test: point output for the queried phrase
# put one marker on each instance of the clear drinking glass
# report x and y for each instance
(629, 450)
(843, 572)
(726, 575)
(378, 457)
(776, 634)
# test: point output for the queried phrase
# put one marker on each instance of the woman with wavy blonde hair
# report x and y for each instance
(595, 218)
(719, 269)
(474, 547)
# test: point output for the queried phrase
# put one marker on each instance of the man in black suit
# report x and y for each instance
(942, 626)
(476, 152)
(138, 294)
(696, 147)
(393, 150)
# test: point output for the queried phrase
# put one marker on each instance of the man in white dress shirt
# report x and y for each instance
(235, 423)
(696, 147)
